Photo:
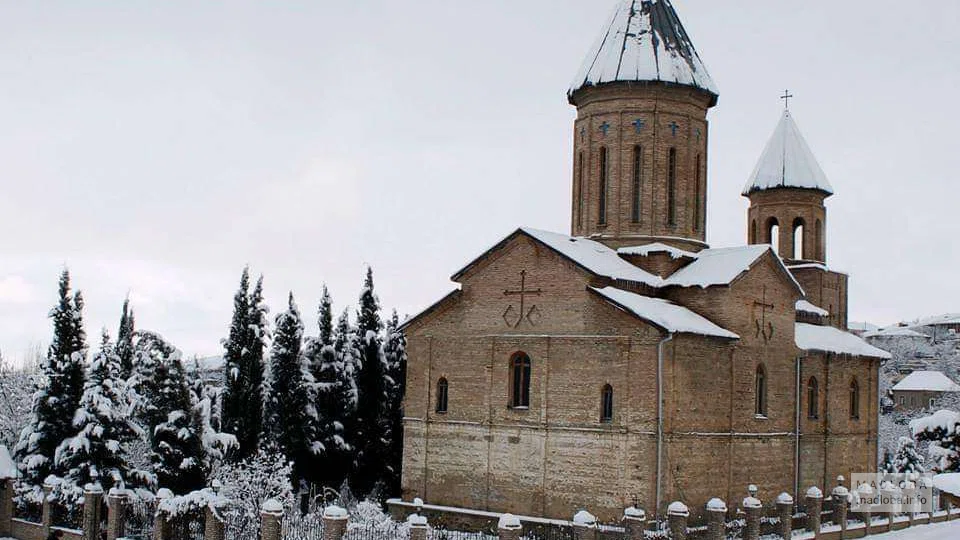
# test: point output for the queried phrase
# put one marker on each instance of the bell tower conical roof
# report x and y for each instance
(787, 162)
(644, 42)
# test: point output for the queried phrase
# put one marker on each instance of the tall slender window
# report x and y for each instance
(520, 379)
(606, 404)
(697, 196)
(854, 399)
(761, 392)
(813, 398)
(818, 241)
(799, 246)
(442, 394)
(672, 188)
(637, 181)
(603, 186)
(753, 232)
(580, 191)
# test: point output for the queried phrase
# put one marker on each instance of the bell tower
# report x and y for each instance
(641, 133)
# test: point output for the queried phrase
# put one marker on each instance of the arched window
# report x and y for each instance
(606, 404)
(813, 398)
(603, 186)
(580, 191)
(773, 234)
(697, 196)
(753, 232)
(520, 380)
(798, 247)
(442, 395)
(854, 399)
(818, 241)
(672, 187)
(637, 181)
(761, 391)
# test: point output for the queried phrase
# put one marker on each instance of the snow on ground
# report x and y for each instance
(937, 531)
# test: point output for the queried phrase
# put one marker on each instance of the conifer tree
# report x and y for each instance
(177, 448)
(291, 415)
(256, 345)
(372, 426)
(233, 356)
(907, 459)
(125, 340)
(395, 353)
(59, 392)
(97, 453)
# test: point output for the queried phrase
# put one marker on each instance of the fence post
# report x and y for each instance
(814, 507)
(677, 514)
(116, 514)
(785, 511)
(271, 518)
(162, 527)
(753, 508)
(889, 492)
(334, 522)
(716, 519)
(418, 527)
(92, 498)
(584, 526)
(6, 506)
(509, 527)
(840, 496)
(46, 511)
(213, 526)
(865, 492)
(635, 521)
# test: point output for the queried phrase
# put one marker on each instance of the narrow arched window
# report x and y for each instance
(672, 187)
(753, 232)
(818, 241)
(854, 399)
(520, 380)
(798, 230)
(603, 186)
(813, 398)
(442, 395)
(606, 404)
(773, 234)
(637, 182)
(697, 196)
(580, 191)
(761, 391)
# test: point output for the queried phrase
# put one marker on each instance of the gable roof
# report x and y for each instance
(895, 331)
(807, 307)
(723, 266)
(810, 337)
(657, 247)
(644, 42)
(663, 313)
(929, 381)
(787, 162)
(593, 256)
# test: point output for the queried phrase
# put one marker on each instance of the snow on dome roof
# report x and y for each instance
(930, 381)
(644, 41)
(810, 337)
(807, 307)
(657, 247)
(787, 162)
(663, 313)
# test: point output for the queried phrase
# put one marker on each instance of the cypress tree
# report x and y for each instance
(395, 353)
(125, 340)
(234, 384)
(59, 392)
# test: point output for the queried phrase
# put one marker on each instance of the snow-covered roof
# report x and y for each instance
(948, 482)
(663, 313)
(862, 326)
(810, 337)
(7, 468)
(927, 381)
(948, 318)
(894, 331)
(594, 256)
(657, 247)
(644, 41)
(787, 162)
(807, 307)
(721, 266)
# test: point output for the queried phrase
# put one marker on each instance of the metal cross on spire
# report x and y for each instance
(786, 99)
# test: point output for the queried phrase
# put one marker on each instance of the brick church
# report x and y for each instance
(630, 361)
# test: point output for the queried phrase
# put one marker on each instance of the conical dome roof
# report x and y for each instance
(644, 41)
(787, 162)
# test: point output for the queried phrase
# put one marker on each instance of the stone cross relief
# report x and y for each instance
(515, 316)
(760, 310)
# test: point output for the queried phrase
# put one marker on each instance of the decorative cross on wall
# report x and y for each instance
(604, 128)
(638, 124)
(764, 327)
(583, 133)
(522, 292)
(673, 127)
(698, 134)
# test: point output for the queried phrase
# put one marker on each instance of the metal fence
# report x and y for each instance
(189, 526)
(302, 527)
(388, 530)
(28, 511)
(547, 532)
(442, 533)
(138, 519)
(240, 522)
(65, 515)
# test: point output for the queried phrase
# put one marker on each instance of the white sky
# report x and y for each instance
(157, 147)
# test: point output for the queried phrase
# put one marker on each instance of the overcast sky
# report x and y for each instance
(156, 147)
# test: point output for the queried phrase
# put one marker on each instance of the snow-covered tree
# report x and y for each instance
(907, 459)
(17, 385)
(244, 378)
(150, 351)
(59, 392)
(374, 387)
(248, 484)
(942, 430)
(125, 340)
(97, 453)
(395, 354)
(290, 412)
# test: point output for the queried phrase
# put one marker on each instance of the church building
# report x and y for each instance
(628, 361)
